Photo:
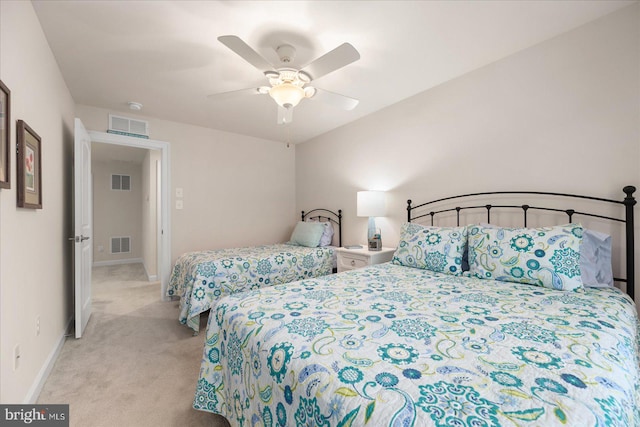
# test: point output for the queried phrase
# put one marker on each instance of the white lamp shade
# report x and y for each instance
(372, 203)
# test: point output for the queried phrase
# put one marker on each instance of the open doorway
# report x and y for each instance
(157, 162)
(126, 214)
(83, 218)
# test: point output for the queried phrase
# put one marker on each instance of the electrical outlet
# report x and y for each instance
(179, 204)
(179, 192)
(16, 357)
(38, 326)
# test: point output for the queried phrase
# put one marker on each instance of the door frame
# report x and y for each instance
(164, 239)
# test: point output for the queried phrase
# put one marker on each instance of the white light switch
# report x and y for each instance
(179, 204)
(178, 192)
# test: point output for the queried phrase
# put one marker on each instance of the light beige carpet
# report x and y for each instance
(135, 365)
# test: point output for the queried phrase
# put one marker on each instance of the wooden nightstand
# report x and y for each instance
(350, 259)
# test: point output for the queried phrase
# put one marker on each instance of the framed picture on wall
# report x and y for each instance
(29, 167)
(5, 144)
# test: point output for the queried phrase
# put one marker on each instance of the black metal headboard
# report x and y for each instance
(629, 201)
(337, 220)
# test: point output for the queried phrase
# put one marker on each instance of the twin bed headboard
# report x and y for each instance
(329, 215)
(422, 211)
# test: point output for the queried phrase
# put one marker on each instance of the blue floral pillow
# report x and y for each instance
(431, 248)
(547, 256)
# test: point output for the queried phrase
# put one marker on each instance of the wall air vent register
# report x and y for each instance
(121, 182)
(120, 245)
(127, 126)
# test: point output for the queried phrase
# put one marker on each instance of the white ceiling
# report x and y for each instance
(165, 54)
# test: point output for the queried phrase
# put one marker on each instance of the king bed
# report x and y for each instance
(199, 279)
(523, 336)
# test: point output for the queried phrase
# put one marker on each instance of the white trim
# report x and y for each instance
(150, 278)
(118, 262)
(159, 213)
(36, 387)
(164, 267)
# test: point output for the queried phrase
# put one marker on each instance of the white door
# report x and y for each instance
(83, 257)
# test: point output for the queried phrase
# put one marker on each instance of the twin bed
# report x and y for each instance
(515, 339)
(199, 279)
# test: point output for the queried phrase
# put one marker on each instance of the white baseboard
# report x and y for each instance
(117, 262)
(150, 277)
(41, 378)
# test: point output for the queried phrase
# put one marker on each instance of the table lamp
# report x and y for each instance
(372, 204)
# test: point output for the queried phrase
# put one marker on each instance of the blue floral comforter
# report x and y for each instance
(201, 278)
(398, 346)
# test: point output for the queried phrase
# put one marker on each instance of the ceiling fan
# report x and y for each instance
(287, 85)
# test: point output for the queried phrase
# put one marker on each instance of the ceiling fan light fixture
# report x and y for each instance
(287, 82)
(287, 95)
(309, 91)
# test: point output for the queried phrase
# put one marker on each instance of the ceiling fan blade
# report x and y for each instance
(285, 115)
(343, 55)
(335, 99)
(247, 91)
(246, 52)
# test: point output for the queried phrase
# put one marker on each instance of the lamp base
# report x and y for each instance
(373, 237)
(371, 230)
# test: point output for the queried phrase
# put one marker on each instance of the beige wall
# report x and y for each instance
(559, 116)
(116, 213)
(35, 256)
(237, 190)
(150, 213)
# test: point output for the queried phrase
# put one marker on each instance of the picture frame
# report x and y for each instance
(29, 167)
(5, 136)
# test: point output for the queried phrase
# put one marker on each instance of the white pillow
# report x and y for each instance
(595, 259)
(327, 233)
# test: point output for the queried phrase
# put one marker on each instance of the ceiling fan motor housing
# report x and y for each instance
(286, 53)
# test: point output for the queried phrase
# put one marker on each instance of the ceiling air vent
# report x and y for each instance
(127, 126)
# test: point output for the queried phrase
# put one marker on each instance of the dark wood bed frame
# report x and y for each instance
(326, 217)
(629, 202)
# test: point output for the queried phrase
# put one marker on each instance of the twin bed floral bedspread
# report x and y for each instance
(201, 278)
(398, 346)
